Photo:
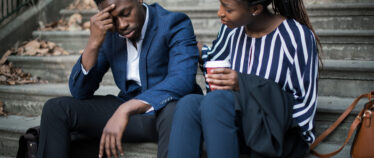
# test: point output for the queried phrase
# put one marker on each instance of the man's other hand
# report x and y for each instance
(112, 133)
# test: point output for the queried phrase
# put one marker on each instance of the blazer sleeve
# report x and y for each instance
(182, 66)
(84, 86)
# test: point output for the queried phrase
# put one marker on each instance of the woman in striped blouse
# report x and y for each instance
(280, 46)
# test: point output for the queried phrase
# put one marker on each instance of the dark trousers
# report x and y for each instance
(64, 115)
(213, 119)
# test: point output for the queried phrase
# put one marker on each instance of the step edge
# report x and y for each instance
(332, 6)
(48, 89)
(328, 64)
(337, 105)
(52, 59)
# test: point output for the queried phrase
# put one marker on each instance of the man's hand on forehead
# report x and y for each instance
(108, 8)
(100, 24)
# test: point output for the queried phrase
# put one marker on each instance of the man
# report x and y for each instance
(153, 57)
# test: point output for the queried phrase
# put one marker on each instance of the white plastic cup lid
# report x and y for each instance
(218, 64)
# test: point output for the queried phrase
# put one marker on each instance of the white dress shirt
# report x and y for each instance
(133, 54)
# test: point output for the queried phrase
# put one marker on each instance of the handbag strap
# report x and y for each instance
(353, 127)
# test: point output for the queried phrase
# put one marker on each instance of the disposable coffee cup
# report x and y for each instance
(210, 65)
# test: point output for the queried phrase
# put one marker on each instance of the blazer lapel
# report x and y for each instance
(120, 55)
(149, 35)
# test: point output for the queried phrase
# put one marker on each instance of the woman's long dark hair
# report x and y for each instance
(291, 9)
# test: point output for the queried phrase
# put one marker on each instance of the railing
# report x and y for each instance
(10, 7)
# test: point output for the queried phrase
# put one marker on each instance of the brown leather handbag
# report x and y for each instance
(363, 143)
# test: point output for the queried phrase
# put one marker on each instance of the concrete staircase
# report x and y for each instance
(346, 29)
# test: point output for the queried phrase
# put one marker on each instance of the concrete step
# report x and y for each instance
(335, 78)
(325, 148)
(337, 44)
(328, 110)
(198, 3)
(345, 78)
(330, 16)
(339, 69)
(342, 16)
(12, 127)
(29, 99)
(73, 41)
(335, 1)
(55, 69)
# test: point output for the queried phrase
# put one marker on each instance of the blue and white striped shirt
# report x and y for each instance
(288, 56)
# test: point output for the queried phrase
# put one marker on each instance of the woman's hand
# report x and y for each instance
(223, 79)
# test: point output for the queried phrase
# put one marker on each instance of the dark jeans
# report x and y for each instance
(213, 119)
(64, 115)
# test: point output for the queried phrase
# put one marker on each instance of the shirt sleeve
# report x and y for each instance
(84, 70)
(151, 109)
(220, 49)
(304, 80)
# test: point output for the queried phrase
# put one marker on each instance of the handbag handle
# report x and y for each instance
(353, 127)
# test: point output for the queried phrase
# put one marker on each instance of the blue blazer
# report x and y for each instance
(167, 64)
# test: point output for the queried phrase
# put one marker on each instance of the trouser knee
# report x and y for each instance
(188, 106)
(217, 104)
(54, 108)
(165, 116)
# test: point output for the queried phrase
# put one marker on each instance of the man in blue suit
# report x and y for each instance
(153, 57)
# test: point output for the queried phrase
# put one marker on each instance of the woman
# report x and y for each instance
(280, 47)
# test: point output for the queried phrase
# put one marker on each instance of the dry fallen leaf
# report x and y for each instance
(2, 78)
(2, 112)
(86, 25)
(11, 82)
(51, 45)
(34, 44)
(38, 48)
(43, 44)
(30, 52)
(83, 5)
(73, 23)
(10, 75)
(60, 25)
(5, 57)
(43, 51)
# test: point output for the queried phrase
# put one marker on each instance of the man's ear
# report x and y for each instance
(141, 1)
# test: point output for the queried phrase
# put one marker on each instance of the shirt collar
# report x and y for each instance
(144, 29)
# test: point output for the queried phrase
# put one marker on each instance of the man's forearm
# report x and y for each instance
(89, 56)
(134, 106)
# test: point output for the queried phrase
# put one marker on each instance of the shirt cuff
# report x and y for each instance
(84, 71)
(150, 109)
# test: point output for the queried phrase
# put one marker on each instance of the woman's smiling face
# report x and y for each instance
(234, 13)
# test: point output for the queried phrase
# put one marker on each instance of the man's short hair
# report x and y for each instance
(98, 1)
